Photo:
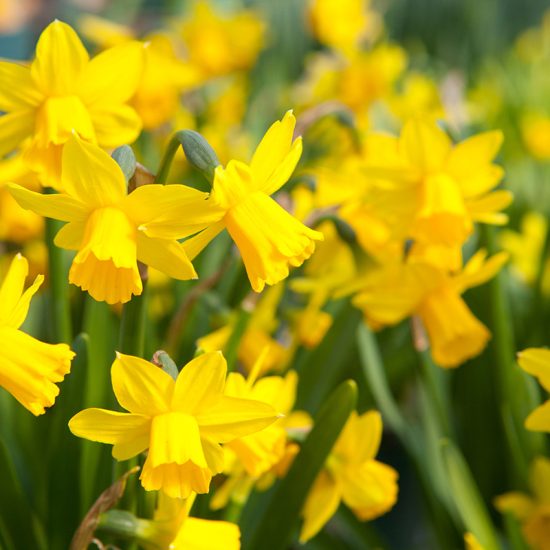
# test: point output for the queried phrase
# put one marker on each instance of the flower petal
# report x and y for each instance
(115, 124)
(90, 175)
(113, 76)
(539, 419)
(424, 144)
(166, 256)
(141, 387)
(14, 128)
(276, 156)
(17, 89)
(536, 361)
(200, 383)
(195, 245)
(58, 206)
(321, 504)
(171, 211)
(129, 433)
(70, 236)
(204, 534)
(60, 58)
(232, 417)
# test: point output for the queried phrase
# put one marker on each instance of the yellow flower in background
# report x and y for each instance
(394, 292)
(443, 188)
(164, 79)
(344, 24)
(525, 248)
(269, 239)
(29, 369)
(352, 475)
(219, 45)
(535, 132)
(64, 92)
(110, 228)
(257, 337)
(16, 224)
(181, 423)
(532, 511)
(536, 361)
(104, 32)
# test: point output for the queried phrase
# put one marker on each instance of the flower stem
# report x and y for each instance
(167, 159)
(59, 289)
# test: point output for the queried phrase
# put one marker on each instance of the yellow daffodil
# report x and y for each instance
(219, 45)
(535, 131)
(16, 224)
(268, 237)
(398, 290)
(110, 228)
(181, 423)
(29, 368)
(104, 32)
(436, 189)
(343, 25)
(536, 361)
(64, 92)
(533, 511)
(351, 474)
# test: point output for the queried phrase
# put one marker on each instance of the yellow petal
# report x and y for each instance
(487, 209)
(175, 438)
(424, 144)
(113, 76)
(204, 534)
(60, 59)
(166, 256)
(14, 303)
(171, 211)
(231, 417)
(369, 490)
(129, 433)
(276, 156)
(536, 361)
(29, 369)
(321, 504)
(58, 207)
(269, 239)
(195, 245)
(200, 383)
(455, 334)
(519, 504)
(91, 175)
(71, 235)
(470, 163)
(17, 89)
(105, 281)
(539, 479)
(360, 439)
(14, 128)
(141, 387)
(539, 419)
(176, 480)
(474, 275)
(115, 124)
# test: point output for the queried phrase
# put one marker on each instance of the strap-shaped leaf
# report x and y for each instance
(280, 517)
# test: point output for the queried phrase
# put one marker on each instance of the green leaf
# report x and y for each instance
(280, 518)
(468, 501)
(18, 526)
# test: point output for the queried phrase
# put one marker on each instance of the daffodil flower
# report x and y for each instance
(352, 474)
(29, 368)
(110, 228)
(268, 237)
(63, 91)
(181, 422)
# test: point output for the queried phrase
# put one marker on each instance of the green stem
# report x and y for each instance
(232, 347)
(517, 391)
(132, 325)
(59, 288)
(167, 159)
